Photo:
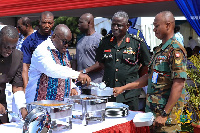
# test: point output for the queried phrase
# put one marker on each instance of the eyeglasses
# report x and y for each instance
(64, 41)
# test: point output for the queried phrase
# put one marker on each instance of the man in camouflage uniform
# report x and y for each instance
(166, 77)
(121, 54)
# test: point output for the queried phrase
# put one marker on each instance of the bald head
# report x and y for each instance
(24, 26)
(61, 38)
(167, 16)
(46, 14)
(164, 24)
(86, 24)
(25, 21)
(9, 32)
(8, 40)
(88, 17)
(62, 29)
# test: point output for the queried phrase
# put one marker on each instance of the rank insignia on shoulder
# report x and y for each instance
(108, 50)
(127, 39)
(111, 39)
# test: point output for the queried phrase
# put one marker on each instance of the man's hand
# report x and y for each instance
(2, 109)
(117, 91)
(24, 113)
(160, 121)
(84, 78)
(73, 92)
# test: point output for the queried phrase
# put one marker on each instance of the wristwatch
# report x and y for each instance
(84, 71)
(164, 114)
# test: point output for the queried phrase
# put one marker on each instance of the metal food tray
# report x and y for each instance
(55, 112)
(102, 92)
(38, 120)
(93, 104)
(114, 109)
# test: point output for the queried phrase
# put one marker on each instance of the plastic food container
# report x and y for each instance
(102, 92)
(143, 119)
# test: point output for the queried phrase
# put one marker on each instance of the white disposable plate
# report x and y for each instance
(143, 119)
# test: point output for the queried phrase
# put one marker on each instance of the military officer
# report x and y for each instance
(121, 54)
(166, 77)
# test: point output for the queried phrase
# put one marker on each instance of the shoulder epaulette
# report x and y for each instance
(137, 38)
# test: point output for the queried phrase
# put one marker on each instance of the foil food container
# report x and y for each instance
(114, 109)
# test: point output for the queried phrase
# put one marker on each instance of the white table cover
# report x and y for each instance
(76, 125)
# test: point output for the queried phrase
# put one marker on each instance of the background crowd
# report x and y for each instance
(38, 65)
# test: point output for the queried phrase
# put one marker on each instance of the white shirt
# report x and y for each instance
(192, 43)
(179, 38)
(42, 62)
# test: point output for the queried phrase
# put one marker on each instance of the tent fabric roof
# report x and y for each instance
(20, 7)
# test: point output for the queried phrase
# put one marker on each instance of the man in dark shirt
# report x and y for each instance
(121, 54)
(10, 71)
(32, 41)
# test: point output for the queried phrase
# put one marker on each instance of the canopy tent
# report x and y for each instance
(103, 8)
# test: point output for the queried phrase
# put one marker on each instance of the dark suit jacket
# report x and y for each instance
(10, 72)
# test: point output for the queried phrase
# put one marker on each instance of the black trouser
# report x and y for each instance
(133, 105)
(4, 118)
(112, 99)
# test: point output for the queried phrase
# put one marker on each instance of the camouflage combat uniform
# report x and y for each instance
(121, 64)
(168, 62)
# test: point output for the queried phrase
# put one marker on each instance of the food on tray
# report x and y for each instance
(52, 104)
(88, 98)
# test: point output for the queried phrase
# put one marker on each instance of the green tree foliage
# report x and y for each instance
(71, 22)
(194, 91)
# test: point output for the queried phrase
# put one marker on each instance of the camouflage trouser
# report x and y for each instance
(168, 128)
